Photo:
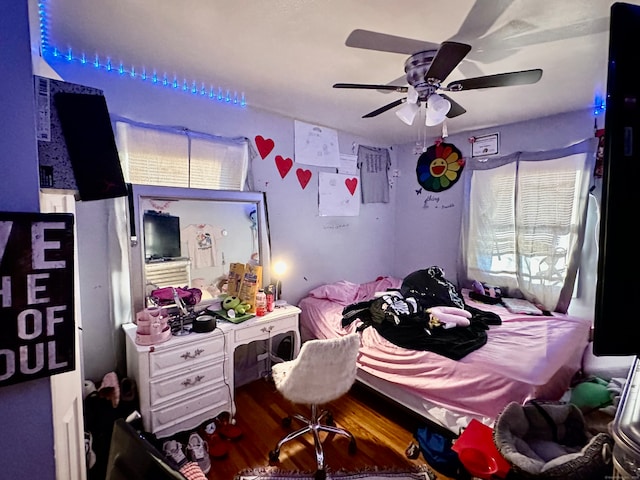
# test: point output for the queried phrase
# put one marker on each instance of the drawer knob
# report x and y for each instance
(188, 382)
(196, 353)
(267, 329)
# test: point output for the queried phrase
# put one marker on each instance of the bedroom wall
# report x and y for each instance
(26, 445)
(316, 249)
(428, 224)
(414, 230)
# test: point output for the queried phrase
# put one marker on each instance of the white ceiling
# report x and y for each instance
(285, 55)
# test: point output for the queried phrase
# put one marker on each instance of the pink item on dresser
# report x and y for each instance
(153, 327)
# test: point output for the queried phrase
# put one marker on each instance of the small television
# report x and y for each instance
(161, 236)
(615, 319)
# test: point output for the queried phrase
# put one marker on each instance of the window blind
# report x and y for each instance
(180, 158)
(523, 224)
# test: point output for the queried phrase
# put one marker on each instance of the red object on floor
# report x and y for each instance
(226, 427)
(218, 447)
(480, 437)
(232, 432)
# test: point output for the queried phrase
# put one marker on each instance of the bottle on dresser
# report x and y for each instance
(270, 298)
(261, 303)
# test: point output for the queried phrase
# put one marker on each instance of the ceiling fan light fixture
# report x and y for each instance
(437, 109)
(412, 95)
(407, 113)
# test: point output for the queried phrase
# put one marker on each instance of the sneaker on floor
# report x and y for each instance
(198, 452)
(88, 450)
(173, 450)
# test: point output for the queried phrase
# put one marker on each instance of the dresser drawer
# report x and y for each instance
(186, 382)
(189, 412)
(263, 330)
(184, 356)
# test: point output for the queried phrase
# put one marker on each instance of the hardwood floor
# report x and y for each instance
(382, 434)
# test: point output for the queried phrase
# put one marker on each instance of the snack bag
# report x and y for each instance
(250, 284)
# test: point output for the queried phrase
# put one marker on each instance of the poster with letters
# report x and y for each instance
(36, 296)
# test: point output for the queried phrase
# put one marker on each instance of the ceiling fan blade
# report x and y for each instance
(388, 106)
(364, 86)
(483, 15)
(524, 77)
(387, 43)
(448, 57)
(456, 109)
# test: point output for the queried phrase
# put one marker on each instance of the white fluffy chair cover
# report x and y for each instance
(323, 370)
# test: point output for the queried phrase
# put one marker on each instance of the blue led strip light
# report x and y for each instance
(600, 105)
(147, 75)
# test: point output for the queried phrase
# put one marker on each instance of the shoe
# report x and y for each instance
(110, 388)
(173, 450)
(218, 447)
(227, 428)
(198, 452)
(88, 450)
(128, 390)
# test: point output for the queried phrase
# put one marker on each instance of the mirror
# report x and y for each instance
(189, 237)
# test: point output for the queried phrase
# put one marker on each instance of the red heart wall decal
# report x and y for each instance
(303, 177)
(351, 184)
(284, 165)
(264, 145)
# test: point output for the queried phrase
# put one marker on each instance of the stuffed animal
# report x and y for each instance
(449, 317)
(232, 303)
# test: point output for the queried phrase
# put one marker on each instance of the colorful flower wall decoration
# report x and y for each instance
(440, 167)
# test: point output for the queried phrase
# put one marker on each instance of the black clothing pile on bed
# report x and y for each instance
(429, 288)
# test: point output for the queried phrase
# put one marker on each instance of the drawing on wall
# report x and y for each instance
(316, 145)
(338, 195)
(348, 164)
(440, 167)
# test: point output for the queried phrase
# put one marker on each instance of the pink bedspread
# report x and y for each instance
(525, 357)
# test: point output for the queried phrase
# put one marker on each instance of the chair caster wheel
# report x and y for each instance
(353, 447)
(320, 475)
(274, 455)
(330, 420)
(286, 422)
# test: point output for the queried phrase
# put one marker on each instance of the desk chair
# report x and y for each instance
(323, 371)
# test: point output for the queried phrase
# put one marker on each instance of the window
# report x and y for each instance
(524, 220)
(180, 158)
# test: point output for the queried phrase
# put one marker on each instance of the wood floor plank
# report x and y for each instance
(382, 434)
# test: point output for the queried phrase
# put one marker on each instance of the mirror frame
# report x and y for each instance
(136, 233)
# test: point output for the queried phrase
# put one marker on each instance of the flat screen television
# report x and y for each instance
(161, 236)
(615, 317)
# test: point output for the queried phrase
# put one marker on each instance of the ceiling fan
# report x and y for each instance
(426, 70)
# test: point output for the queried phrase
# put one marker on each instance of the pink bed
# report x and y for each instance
(525, 357)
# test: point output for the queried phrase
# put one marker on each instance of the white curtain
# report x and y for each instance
(523, 222)
(178, 157)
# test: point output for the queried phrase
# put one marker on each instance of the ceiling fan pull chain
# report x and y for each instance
(445, 132)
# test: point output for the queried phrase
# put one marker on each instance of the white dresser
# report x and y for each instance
(188, 379)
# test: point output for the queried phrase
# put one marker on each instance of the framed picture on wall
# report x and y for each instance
(484, 145)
